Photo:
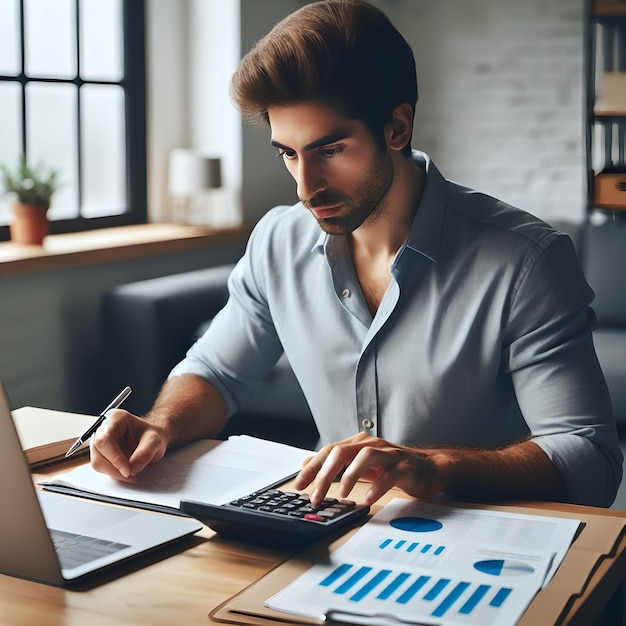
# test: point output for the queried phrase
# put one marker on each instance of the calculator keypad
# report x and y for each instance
(295, 505)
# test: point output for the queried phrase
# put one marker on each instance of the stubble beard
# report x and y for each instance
(368, 203)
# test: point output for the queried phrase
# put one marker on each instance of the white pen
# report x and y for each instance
(92, 429)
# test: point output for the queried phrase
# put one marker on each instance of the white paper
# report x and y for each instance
(207, 470)
(433, 564)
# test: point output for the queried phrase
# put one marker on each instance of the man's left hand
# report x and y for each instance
(364, 457)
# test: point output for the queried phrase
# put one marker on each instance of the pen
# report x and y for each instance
(92, 429)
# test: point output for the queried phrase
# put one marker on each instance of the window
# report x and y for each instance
(72, 98)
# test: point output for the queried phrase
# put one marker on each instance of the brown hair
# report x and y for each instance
(345, 54)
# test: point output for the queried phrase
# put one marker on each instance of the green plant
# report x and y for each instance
(32, 185)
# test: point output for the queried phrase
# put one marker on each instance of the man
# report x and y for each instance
(441, 337)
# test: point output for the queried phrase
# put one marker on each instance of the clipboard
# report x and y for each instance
(590, 556)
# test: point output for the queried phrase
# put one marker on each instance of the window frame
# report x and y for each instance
(133, 83)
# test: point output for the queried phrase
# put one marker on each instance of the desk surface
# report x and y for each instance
(182, 584)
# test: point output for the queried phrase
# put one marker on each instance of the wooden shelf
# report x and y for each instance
(605, 114)
(609, 8)
(112, 244)
(601, 115)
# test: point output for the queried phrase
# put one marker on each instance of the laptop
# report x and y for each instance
(57, 539)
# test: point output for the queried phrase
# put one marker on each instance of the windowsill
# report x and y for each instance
(112, 244)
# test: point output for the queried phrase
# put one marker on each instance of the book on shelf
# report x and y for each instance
(46, 434)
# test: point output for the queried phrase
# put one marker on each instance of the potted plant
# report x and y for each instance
(34, 188)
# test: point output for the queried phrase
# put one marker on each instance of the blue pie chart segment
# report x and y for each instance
(502, 567)
(416, 524)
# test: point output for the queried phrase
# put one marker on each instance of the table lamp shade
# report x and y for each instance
(189, 173)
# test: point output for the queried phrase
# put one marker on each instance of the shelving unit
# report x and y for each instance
(602, 236)
(605, 104)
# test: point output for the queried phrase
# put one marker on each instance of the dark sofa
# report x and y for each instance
(602, 244)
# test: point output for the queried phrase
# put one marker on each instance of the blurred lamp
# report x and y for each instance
(190, 177)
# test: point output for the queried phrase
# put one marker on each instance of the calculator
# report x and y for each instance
(272, 516)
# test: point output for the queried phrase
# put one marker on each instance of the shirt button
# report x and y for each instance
(345, 293)
(367, 424)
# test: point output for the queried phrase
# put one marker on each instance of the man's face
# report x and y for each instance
(341, 177)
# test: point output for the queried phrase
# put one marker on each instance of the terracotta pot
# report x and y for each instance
(30, 224)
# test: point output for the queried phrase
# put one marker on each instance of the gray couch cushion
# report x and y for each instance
(149, 325)
(603, 244)
(610, 346)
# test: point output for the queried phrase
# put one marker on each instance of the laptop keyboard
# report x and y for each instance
(74, 550)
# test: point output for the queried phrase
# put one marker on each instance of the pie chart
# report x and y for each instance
(416, 524)
(503, 567)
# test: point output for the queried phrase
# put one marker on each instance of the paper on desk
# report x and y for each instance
(427, 563)
(207, 471)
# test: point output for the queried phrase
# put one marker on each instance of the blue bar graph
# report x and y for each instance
(402, 545)
(436, 589)
(406, 567)
(500, 597)
(353, 580)
(413, 589)
(440, 595)
(474, 599)
(451, 598)
(337, 573)
(388, 591)
(370, 585)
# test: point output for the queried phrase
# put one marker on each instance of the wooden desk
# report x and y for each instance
(182, 584)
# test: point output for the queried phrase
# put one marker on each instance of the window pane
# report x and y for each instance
(9, 38)
(104, 160)
(50, 38)
(51, 140)
(11, 132)
(101, 40)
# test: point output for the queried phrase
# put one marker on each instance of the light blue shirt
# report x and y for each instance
(483, 336)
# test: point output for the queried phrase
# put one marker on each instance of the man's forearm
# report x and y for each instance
(188, 408)
(519, 471)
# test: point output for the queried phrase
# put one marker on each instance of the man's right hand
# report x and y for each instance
(125, 444)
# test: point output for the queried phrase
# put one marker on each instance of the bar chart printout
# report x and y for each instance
(433, 564)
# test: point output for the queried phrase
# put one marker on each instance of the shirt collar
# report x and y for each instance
(321, 241)
(425, 234)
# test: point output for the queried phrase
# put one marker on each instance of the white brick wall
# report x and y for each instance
(500, 105)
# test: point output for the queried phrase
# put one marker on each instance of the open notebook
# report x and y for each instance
(58, 539)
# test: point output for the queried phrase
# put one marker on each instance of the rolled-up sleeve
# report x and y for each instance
(241, 345)
(558, 382)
